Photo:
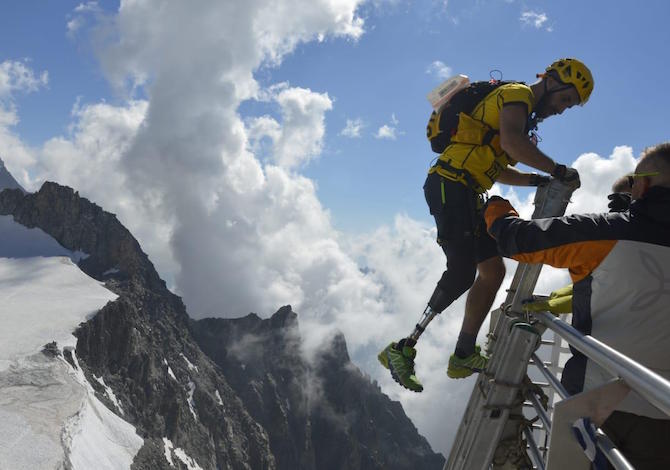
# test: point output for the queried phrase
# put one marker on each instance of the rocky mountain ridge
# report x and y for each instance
(232, 393)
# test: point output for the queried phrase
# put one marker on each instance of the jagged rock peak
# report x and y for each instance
(82, 226)
(284, 317)
(7, 181)
(337, 350)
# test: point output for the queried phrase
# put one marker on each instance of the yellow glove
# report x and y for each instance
(559, 301)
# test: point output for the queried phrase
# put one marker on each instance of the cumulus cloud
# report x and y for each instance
(79, 16)
(533, 18)
(353, 128)
(18, 76)
(389, 131)
(386, 132)
(303, 126)
(439, 69)
(299, 137)
(597, 175)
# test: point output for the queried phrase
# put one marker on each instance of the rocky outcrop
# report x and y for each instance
(110, 252)
(233, 394)
(321, 413)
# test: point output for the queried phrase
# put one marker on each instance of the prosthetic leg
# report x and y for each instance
(399, 357)
(437, 303)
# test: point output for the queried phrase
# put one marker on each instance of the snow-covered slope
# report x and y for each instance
(49, 414)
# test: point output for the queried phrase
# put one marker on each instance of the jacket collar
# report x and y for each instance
(655, 204)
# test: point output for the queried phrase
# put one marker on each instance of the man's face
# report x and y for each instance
(640, 184)
(558, 101)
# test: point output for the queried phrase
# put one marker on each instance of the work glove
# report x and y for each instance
(559, 301)
(566, 175)
(538, 180)
(619, 202)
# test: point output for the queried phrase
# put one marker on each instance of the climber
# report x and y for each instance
(487, 143)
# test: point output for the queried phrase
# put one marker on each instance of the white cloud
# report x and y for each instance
(80, 16)
(439, 69)
(87, 7)
(303, 126)
(353, 128)
(386, 132)
(389, 131)
(299, 137)
(533, 18)
(597, 175)
(17, 76)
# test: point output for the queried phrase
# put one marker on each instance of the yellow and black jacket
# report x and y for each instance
(620, 267)
(475, 157)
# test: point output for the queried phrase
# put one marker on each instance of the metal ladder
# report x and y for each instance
(495, 396)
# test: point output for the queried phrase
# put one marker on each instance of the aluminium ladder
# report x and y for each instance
(495, 395)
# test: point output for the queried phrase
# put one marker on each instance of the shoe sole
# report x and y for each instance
(463, 372)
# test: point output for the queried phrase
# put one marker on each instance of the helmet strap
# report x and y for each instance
(546, 92)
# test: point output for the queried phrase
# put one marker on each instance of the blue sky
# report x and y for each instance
(385, 73)
(226, 157)
(364, 181)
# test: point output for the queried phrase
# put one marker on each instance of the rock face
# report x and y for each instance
(321, 414)
(232, 394)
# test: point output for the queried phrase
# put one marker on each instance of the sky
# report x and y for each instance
(273, 152)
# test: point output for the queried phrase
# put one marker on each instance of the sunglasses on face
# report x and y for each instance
(632, 176)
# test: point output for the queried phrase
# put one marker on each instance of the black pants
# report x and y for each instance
(461, 232)
(645, 442)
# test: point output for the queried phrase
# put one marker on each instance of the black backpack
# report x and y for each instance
(442, 126)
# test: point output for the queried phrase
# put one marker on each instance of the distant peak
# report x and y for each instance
(285, 316)
(7, 181)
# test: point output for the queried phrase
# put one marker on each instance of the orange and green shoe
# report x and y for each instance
(399, 359)
(459, 368)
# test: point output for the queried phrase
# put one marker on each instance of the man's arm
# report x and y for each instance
(576, 242)
(514, 177)
(515, 142)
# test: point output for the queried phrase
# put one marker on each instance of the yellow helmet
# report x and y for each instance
(573, 72)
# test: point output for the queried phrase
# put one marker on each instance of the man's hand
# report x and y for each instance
(566, 175)
(619, 202)
(495, 208)
(538, 180)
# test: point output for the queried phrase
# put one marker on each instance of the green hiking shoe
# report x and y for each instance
(382, 358)
(459, 368)
(400, 361)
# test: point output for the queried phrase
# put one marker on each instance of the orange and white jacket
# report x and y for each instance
(620, 267)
